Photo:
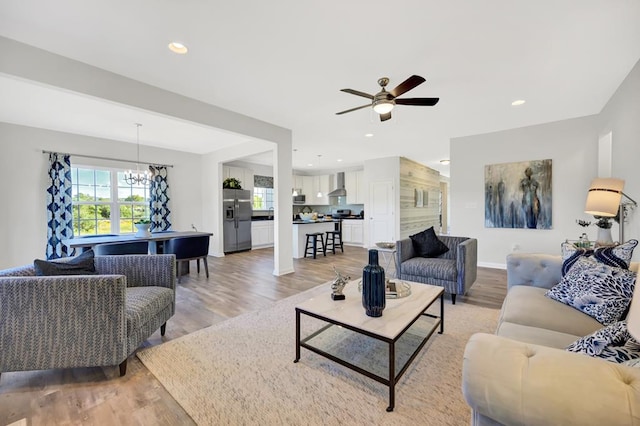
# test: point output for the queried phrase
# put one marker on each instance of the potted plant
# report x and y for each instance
(231, 183)
(142, 225)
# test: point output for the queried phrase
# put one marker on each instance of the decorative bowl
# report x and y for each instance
(386, 245)
(306, 216)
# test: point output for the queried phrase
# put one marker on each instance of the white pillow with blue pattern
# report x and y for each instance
(612, 343)
(600, 291)
(619, 255)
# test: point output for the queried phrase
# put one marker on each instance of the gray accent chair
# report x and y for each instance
(456, 270)
(84, 320)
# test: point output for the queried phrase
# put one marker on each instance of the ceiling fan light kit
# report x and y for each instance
(383, 102)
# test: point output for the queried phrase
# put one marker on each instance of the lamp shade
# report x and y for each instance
(604, 197)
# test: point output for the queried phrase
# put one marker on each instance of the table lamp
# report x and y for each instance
(605, 199)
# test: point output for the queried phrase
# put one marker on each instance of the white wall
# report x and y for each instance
(573, 147)
(621, 117)
(571, 144)
(23, 172)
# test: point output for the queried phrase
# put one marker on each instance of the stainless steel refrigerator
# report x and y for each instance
(236, 210)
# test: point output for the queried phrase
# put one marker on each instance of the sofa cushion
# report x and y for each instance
(600, 291)
(427, 243)
(79, 265)
(535, 335)
(143, 303)
(528, 306)
(612, 343)
(441, 269)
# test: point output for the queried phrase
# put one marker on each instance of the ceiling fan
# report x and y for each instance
(383, 101)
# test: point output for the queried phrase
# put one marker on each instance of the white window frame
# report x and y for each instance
(114, 204)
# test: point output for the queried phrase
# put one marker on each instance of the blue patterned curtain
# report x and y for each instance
(159, 199)
(59, 208)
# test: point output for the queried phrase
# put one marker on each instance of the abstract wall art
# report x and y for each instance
(518, 195)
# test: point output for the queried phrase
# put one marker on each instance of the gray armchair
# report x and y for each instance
(455, 270)
(84, 320)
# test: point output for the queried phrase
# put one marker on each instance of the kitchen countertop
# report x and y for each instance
(306, 222)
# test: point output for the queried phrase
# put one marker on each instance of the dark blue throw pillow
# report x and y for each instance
(79, 265)
(427, 244)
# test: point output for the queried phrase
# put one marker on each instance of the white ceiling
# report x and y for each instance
(284, 62)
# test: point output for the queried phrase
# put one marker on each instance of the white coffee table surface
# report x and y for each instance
(395, 317)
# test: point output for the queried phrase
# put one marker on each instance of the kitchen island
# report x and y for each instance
(302, 227)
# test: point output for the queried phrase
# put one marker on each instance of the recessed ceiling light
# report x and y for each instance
(178, 48)
(445, 161)
(339, 160)
(368, 135)
(518, 102)
(310, 165)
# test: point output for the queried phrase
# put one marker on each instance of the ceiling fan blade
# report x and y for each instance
(417, 101)
(407, 85)
(357, 93)
(385, 117)
(353, 109)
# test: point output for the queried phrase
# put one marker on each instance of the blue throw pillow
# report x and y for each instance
(570, 254)
(612, 343)
(427, 244)
(600, 291)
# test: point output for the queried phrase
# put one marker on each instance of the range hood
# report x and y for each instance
(339, 191)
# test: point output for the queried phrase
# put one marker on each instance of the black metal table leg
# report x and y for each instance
(392, 376)
(297, 336)
(441, 314)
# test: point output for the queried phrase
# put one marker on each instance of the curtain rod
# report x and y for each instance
(108, 158)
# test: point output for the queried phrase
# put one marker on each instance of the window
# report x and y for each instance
(262, 198)
(103, 203)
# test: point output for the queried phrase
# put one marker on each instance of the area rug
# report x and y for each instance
(241, 372)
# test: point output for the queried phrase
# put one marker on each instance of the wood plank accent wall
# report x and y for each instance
(415, 176)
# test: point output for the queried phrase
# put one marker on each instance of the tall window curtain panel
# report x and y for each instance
(159, 199)
(59, 208)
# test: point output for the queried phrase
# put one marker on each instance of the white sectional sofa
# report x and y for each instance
(523, 375)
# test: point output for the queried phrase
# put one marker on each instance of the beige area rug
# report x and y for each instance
(241, 372)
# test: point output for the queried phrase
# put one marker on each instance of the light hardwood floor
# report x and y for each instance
(239, 283)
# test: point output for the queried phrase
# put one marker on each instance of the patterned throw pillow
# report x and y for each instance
(570, 254)
(619, 255)
(612, 343)
(427, 244)
(600, 291)
(79, 265)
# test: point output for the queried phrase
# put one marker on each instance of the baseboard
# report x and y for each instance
(492, 265)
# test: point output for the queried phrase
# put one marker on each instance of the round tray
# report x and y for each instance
(395, 289)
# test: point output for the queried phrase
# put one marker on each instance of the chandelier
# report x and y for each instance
(137, 177)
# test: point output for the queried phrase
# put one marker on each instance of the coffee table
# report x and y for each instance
(344, 334)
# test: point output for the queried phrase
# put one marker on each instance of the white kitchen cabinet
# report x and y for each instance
(307, 189)
(261, 234)
(323, 185)
(354, 185)
(353, 232)
(297, 182)
(245, 176)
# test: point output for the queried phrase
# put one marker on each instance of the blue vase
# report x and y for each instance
(373, 282)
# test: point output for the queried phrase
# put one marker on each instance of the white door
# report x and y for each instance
(381, 212)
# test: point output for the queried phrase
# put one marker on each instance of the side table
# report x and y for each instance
(389, 254)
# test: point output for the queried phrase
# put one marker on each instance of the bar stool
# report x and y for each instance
(312, 244)
(333, 235)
